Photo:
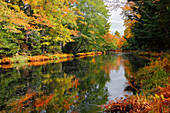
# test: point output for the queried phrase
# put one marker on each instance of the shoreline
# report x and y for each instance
(11, 62)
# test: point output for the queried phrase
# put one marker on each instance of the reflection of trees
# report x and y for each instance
(44, 82)
(16, 82)
(92, 80)
(132, 64)
(109, 62)
(93, 73)
(62, 96)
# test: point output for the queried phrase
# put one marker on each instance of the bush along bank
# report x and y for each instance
(21, 60)
(154, 92)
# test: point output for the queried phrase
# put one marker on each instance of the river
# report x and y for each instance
(75, 86)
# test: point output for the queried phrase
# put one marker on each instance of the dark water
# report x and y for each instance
(76, 86)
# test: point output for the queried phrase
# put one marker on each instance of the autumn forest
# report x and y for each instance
(58, 56)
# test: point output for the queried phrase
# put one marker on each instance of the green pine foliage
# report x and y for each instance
(150, 31)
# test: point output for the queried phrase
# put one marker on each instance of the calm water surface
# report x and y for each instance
(75, 86)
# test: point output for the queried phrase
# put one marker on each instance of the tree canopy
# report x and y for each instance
(50, 26)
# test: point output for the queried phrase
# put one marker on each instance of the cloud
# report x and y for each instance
(116, 21)
(117, 26)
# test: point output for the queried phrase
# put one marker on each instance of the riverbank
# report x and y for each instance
(154, 88)
(22, 60)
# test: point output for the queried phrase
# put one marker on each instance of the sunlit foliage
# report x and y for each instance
(45, 26)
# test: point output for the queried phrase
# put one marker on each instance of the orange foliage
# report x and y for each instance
(27, 96)
(90, 25)
(75, 82)
(73, 1)
(42, 59)
(39, 63)
(120, 41)
(65, 14)
(6, 66)
(6, 60)
(107, 68)
(79, 57)
(93, 60)
(127, 8)
(165, 92)
(110, 38)
(66, 105)
(35, 60)
(137, 103)
(38, 58)
(89, 54)
(22, 102)
(98, 53)
(44, 100)
(92, 32)
(75, 32)
(66, 9)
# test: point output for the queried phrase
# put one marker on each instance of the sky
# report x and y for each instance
(116, 20)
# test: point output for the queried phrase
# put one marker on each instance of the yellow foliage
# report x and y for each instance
(16, 7)
(127, 8)
(129, 35)
(93, 60)
(138, 15)
(92, 32)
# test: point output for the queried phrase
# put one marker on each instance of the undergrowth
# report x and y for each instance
(154, 96)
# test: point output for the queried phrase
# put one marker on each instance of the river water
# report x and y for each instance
(75, 86)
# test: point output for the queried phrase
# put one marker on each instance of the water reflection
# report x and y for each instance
(121, 75)
(74, 86)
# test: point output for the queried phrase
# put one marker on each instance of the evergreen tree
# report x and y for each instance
(150, 24)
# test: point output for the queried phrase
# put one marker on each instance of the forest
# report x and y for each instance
(147, 25)
(45, 26)
(72, 26)
(41, 32)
